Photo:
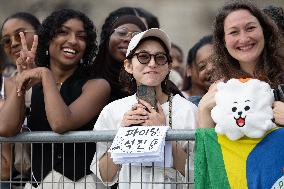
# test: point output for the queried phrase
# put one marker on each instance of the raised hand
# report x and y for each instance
(278, 112)
(205, 106)
(208, 100)
(26, 60)
(28, 78)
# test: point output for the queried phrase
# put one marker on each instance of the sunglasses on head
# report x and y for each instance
(123, 32)
(7, 40)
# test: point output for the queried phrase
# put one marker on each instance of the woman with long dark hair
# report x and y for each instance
(117, 31)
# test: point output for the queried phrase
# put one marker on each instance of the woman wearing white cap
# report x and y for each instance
(148, 62)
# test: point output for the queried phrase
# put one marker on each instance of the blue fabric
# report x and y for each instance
(194, 99)
(266, 161)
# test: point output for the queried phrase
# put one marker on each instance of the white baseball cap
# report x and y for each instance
(153, 32)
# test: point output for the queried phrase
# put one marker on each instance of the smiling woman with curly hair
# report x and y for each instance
(51, 27)
(65, 97)
(270, 58)
(247, 44)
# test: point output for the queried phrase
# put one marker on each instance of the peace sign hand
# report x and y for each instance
(26, 59)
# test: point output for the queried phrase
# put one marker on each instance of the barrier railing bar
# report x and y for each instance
(87, 136)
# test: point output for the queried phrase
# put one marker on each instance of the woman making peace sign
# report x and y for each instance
(26, 24)
(65, 96)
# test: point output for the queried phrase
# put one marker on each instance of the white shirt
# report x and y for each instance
(184, 116)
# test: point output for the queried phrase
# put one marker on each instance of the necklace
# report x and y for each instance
(170, 109)
(59, 83)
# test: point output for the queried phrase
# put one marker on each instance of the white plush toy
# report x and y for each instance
(243, 108)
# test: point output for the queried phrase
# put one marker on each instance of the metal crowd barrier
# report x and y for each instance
(86, 137)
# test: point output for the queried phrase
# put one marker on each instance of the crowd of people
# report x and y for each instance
(62, 80)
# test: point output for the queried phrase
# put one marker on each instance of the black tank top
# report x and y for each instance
(74, 166)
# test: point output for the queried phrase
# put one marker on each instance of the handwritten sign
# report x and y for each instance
(140, 144)
(279, 183)
(138, 139)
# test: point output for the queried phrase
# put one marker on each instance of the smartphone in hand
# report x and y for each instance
(148, 94)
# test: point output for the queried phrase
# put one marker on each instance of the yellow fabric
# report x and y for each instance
(235, 154)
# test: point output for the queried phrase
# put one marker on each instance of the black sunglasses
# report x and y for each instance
(145, 58)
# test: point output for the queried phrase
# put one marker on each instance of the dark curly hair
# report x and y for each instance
(277, 15)
(191, 58)
(129, 83)
(270, 66)
(25, 16)
(48, 31)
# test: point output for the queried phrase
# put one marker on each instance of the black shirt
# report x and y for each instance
(75, 166)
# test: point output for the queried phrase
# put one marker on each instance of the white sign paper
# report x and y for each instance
(143, 144)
